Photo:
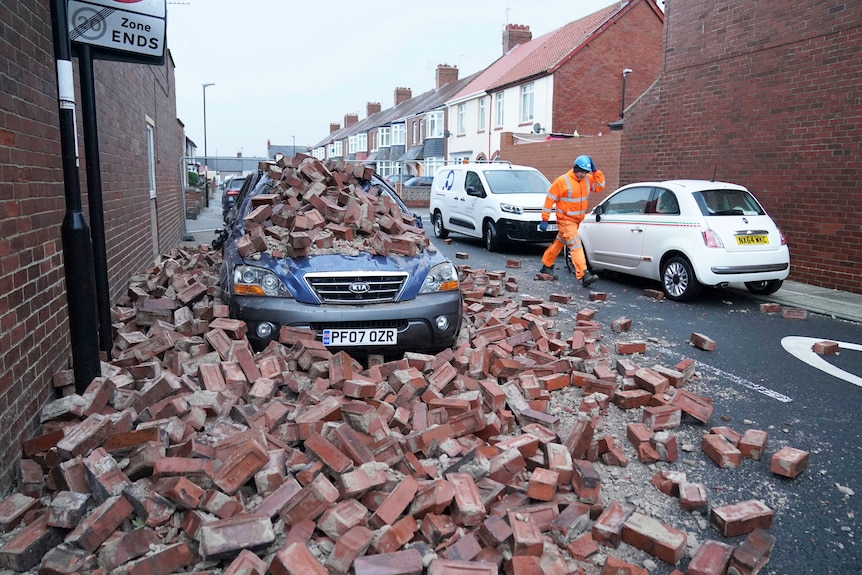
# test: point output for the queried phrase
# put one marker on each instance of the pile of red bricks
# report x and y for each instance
(191, 452)
(314, 207)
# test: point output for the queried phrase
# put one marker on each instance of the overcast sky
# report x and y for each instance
(285, 69)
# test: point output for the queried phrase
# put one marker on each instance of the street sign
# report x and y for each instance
(122, 27)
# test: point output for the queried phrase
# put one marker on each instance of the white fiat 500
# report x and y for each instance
(687, 234)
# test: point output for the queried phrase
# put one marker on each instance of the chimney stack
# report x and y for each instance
(446, 74)
(402, 95)
(515, 34)
(334, 128)
(350, 120)
(372, 108)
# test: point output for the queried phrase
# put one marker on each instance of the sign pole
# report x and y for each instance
(94, 196)
(77, 252)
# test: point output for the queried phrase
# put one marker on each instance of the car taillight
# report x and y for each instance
(711, 239)
(232, 192)
(783, 239)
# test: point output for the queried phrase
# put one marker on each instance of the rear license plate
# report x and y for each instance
(551, 228)
(347, 337)
(751, 240)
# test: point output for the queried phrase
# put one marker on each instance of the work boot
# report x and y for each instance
(589, 279)
(549, 270)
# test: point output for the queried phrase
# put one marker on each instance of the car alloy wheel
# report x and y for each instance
(678, 279)
(492, 241)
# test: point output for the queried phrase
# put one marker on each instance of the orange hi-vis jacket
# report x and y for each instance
(570, 195)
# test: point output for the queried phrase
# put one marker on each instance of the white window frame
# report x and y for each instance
(462, 119)
(483, 114)
(435, 124)
(385, 137)
(499, 115)
(399, 134)
(528, 102)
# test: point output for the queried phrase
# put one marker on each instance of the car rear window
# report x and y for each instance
(517, 181)
(727, 203)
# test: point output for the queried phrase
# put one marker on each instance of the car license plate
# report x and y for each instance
(751, 240)
(551, 228)
(348, 337)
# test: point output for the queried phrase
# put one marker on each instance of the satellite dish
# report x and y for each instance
(446, 133)
(537, 128)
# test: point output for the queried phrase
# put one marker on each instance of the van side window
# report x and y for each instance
(473, 180)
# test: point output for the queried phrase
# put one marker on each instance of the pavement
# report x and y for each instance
(829, 302)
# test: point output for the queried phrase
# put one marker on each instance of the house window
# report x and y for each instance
(384, 137)
(151, 159)
(362, 142)
(527, 102)
(462, 118)
(399, 134)
(415, 132)
(498, 103)
(335, 149)
(435, 124)
(482, 114)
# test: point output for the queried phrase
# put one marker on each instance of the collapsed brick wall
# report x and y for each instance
(34, 341)
(764, 94)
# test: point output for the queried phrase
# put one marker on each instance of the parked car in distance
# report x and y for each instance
(394, 179)
(355, 300)
(687, 234)
(419, 181)
(230, 193)
(498, 202)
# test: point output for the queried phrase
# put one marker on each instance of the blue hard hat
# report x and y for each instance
(583, 163)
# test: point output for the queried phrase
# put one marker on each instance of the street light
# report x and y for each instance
(206, 167)
(293, 148)
(626, 72)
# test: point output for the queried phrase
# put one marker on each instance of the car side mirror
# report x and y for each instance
(599, 210)
(472, 191)
(418, 219)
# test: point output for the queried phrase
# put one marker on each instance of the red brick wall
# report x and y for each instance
(765, 94)
(34, 331)
(588, 87)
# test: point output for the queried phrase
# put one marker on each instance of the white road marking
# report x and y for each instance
(720, 373)
(800, 348)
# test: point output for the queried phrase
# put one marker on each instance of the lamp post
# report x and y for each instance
(206, 162)
(626, 72)
(293, 147)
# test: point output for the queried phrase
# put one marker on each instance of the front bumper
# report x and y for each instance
(415, 320)
(523, 231)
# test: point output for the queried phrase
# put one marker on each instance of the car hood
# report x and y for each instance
(522, 200)
(293, 271)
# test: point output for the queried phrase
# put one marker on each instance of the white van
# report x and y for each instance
(497, 202)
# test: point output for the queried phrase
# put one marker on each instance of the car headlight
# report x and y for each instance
(442, 277)
(510, 209)
(251, 280)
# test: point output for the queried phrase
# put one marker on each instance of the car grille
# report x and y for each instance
(399, 324)
(353, 288)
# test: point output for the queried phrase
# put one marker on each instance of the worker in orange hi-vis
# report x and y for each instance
(567, 197)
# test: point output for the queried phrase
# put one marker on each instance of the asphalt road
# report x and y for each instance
(754, 382)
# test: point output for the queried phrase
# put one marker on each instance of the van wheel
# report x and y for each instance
(439, 230)
(492, 240)
(678, 279)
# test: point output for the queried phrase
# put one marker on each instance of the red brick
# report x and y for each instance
(468, 508)
(583, 547)
(586, 481)
(702, 341)
(456, 567)
(614, 566)
(67, 560)
(752, 444)
(632, 398)
(661, 417)
(579, 436)
(226, 537)
(240, 467)
(526, 537)
(296, 559)
(722, 453)
(711, 558)
(788, 462)
(608, 528)
(794, 313)
(164, 561)
(103, 521)
(466, 548)
(650, 380)
(741, 518)
(559, 460)
(184, 493)
(656, 538)
(752, 554)
(27, 547)
(730, 435)
(67, 509)
(246, 563)
(669, 482)
(407, 562)
(825, 347)
(572, 521)
(697, 406)
(693, 497)
(311, 501)
(330, 455)
(14, 507)
(127, 546)
(665, 445)
(395, 503)
(630, 347)
(348, 547)
(770, 307)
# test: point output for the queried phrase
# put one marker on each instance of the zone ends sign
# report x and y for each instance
(134, 28)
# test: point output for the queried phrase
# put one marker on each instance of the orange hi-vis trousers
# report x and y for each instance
(567, 234)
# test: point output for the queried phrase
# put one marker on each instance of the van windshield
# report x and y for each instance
(517, 182)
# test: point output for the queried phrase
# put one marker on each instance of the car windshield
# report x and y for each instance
(727, 203)
(517, 181)
(236, 183)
